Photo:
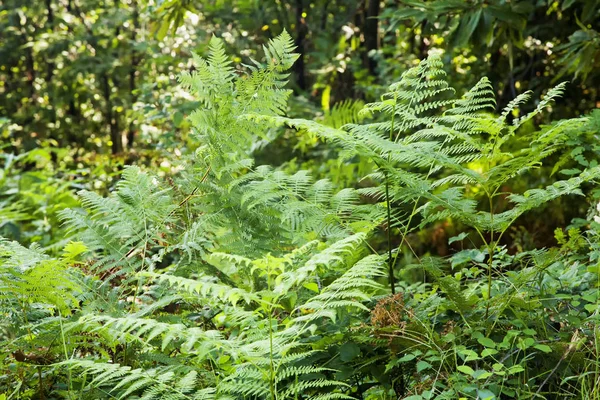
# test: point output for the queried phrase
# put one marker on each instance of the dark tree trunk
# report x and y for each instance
(29, 62)
(301, 31)
(371, 30)
(324, 15)
(359, 15)
(132, 72)
(49, 63)
(50, 12)
(111, 118)
(423, 48)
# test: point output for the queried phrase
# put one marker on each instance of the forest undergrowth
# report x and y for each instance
(233, 280)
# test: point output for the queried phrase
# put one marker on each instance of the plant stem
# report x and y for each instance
(389, 210)
(271, 366)
(64, 343)
(389, 236)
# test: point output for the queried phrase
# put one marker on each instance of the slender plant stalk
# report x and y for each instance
(272, 370)
(491, 258)
(389, 211)
(272, 366)
(41, 382)
(389, 238)
(64, 343)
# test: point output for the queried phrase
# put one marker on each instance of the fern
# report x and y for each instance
(224, 96)
(429, 150)
(434, 143)
(252, 352)
(121, 228)
(28, 276)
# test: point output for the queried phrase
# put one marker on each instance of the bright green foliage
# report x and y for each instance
(120, 227)
(30, 201)
(100, 74)
(224, 97)
(235, 281)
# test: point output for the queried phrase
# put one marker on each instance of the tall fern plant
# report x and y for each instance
(439, 157)
(432, 149)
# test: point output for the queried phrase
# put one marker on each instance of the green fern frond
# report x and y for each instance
(123, 382)
(343, 113)
(205, 286)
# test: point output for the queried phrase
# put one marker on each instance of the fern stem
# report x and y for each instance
(389, 208)
(64, 343)
(83, 384)
(272, 371)
(389, 236)
(272, 366)
(491, 246)
(41, 382)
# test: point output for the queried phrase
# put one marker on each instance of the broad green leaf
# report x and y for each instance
(543, 347)
(312, 286)
(423, 365)
(465, 369)
(486, 342)
(481, 374)
(349, 351)
(484, 394)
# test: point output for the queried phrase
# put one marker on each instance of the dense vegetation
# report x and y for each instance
(299, 200)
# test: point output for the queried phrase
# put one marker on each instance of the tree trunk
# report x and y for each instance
(371, 31)
(111, 118)
(51, 87)
(301, 31)
(132, 72)
(50, 65)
